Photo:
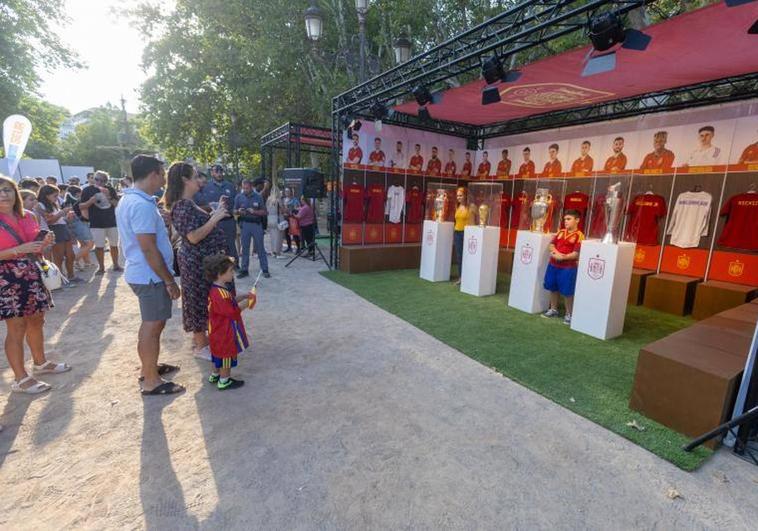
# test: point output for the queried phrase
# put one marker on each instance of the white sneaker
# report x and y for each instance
(203, 353)
(551, 312)
(567, 319)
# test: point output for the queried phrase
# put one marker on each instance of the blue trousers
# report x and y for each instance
(229, 226)
(254, 231)
(458, 246)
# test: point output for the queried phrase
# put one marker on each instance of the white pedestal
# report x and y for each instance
(530, 260)
(480, 253)
(602, 287)
(436, 251)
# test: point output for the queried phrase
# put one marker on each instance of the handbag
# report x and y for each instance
(51, 276)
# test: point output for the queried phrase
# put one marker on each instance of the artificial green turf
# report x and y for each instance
(591, 377)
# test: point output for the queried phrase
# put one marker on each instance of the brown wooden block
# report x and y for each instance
(715, 296)
(368, 258)
(670, 293)
(505, 261)
(637, 286)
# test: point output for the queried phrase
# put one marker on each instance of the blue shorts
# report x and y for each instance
(80, 230)
(561, 279)
(224, 363)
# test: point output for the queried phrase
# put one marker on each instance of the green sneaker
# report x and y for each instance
(231, 383)
(213, 378)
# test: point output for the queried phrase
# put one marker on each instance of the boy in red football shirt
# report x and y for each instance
(560, 276)
(226, 332)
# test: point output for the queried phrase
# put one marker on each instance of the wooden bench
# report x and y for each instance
(637, 286)
(670, 293)
(714, 296)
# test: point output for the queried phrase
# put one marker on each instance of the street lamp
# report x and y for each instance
(314, 23)
(361, 6)
(402, 48)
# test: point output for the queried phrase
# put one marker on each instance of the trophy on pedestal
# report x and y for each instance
(484, 214)
(440, 206)
(540, 208)
(614, 206)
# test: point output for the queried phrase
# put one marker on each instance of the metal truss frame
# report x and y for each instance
(293, 139)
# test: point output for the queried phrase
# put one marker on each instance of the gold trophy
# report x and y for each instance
(484, 214)
(439, 206)
(540, 209)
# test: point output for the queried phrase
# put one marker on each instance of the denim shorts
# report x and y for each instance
(80, 230)
(561, 279)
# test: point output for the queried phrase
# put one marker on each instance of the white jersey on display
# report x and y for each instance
(689, 219)
(395, 203)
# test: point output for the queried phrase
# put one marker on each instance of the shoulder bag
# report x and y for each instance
(49, 272)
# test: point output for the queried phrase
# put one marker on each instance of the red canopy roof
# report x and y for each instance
(706, 44)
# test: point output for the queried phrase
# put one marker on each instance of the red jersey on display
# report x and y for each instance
(749, 154)
(653, 161)
(416, 163)
(577, 201)
(597, 227)
(375, 212)
(415, 201)
(504, 168)
(353, 195)
(552, 168)
(466, 171)
(434, 167)
(354, 155)
(527, 169)
(484, 170)
(582, 165)
(616, 163)
(226, 332)
(644, 212)
(566, 242)
(450, 168)
(520, 202)
(741, 228)
(505, 204)
(376, 158)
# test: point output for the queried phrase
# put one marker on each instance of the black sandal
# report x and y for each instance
(163, 369)
(166, 388)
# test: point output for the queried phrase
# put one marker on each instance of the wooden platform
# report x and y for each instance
(368, 258)
(505, 261)
(688, 380)
(714, 296)
(637, 286)
(670, 293)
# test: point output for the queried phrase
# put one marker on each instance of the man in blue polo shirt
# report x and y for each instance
(250, 206)
(149, 260)
(212, 192)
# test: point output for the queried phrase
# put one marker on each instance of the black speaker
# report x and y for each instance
(472, 144)
(305, 181)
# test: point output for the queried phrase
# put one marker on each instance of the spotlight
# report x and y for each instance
(355, 125)
(605, 31)
(422, 95)
(492, 70)
(379, 111)
(490, 95)
(423, 114)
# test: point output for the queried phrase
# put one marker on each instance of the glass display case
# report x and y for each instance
(440, 201)
(608, 206)
(485, 200)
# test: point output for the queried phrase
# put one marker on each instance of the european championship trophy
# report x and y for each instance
(439, 206)
(613, 209)
(484, 214)
(539, 210)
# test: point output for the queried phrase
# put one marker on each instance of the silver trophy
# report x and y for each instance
(613, 209)
(539, 210)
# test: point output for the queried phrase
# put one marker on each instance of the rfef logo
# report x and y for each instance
(596, 268)
(430, 237)
(473, 245)
(526, 254)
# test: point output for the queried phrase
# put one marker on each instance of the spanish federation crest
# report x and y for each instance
(473, 245)
(639, 255)
(683, 261)
(596, 268)
(736, 268)
(430, 237)
(527, 253)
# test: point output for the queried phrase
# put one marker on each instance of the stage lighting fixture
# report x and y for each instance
(355, 125)
(379, 110)
(345, 121)
(422, 95)
(605, 31)
(423, 114)
(492, 70)
(753, 29)
(490, 95)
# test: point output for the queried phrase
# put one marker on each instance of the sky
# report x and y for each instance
(112, 52)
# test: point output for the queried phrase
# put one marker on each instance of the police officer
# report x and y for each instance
(212, 192)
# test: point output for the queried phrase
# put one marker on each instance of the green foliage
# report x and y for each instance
(46, 119)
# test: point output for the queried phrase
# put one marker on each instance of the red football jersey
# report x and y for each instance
(484, 170)
(520, 202)
(450, 168)
(644, 213)
(504, 168)
(616, 163)
(376, 158)
(577, 201)
(375, 194)
(566, 242)
(416, 163)
(466, 171)
(527, 169)
(415, 200)
(582, 165)
(749, 154)
(552, 168)
(354, 155)
(505, 204)
(598, 226)
(434, 167)
(653, 161)
(226, 331)
(353, 196)
(741, 228)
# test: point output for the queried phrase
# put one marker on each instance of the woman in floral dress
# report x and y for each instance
(24, 299)
(200, 237)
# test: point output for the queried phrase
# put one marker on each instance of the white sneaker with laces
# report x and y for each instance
(550, 313)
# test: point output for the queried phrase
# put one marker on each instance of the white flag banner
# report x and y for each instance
(16, 131)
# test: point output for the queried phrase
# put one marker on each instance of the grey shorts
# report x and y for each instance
(154, 302)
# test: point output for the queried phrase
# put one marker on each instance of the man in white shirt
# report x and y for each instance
(398, 159)
(706, 154)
